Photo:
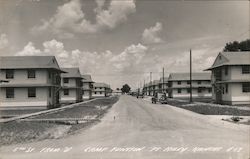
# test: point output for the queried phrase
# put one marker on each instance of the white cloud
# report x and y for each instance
(4, 42)
(29, 50)
(117, 13)
(152, 35)
(70, 18)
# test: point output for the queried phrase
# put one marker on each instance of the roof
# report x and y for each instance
(186, 76)
(72, 72)
(87, 78)
(101, 85)
(231, 58)
(26, 62)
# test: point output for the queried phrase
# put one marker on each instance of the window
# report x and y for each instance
(179, 82)
(199, 82)
(226, 70)
(226, 89)
(31, 92)
(245, 69)
(199, 90)
(31, 74)
(9, 74)
(100, 92)
(209, 90)
(188, 82)
(246, 87)
(188, 90)
(66, 92)
(49, 92)
(9, 92)
(65, 80)
(179, 90)
(95, 92)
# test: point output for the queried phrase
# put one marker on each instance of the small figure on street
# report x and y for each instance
(114, 117)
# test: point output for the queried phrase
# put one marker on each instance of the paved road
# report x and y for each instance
(140, 126)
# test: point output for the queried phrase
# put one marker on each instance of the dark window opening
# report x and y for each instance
(226, 89)
(199, 90)
(31, 92)
(245, 69)
(65, 80)
(179, 90)
(10, 93)
(179, 82)
(66, 92)
(9, 74)
(31, 74)
(246, 87)
(199, 82)
(188, 82)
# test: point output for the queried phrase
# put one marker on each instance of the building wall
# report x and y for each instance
(234, 94)
(20, 77)
(71, 98)
(173, 92)
(97, 94)
(21, 99)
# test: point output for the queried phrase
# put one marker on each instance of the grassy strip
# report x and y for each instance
(207, 109)
(28, 131)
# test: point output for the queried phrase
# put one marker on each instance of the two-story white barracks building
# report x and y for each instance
(71, 86)
(101, 90)
(87, 87)
(32, 82)
(179, 85)
(231, 78)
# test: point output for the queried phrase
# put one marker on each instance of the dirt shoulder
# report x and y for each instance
(56, 124)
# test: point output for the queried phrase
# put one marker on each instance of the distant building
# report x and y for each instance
(31, 82)
(231, 78)
(179, 85)
(71, 86)
(87, 87)
(163, 85)
(155, 87)
(101, 90)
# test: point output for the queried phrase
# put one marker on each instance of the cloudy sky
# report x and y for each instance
(121, 41)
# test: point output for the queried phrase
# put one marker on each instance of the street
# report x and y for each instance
(135, 128)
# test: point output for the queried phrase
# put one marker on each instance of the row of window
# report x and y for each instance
(244, 70)
(245, 88)
(10, 92)
(188, 82)
(10, 74)
(179, 90)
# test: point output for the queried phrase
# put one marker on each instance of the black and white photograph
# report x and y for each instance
(124, 79)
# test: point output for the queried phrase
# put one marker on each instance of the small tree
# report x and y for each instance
(125, 88)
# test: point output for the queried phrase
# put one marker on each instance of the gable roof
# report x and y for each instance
(186, 76)
(101, 85)
(72, 72)
(231, 58)
(26, 62)
(87, 78)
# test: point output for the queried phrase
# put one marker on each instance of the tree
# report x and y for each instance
(125, 88)
(238, 46)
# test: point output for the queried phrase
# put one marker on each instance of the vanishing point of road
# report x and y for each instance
(136, 129)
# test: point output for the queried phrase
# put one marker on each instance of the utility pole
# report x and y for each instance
(150, 83)
(163, 80)
(191, 98)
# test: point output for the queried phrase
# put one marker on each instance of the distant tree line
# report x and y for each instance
(238, 46)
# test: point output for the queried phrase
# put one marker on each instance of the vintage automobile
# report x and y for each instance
(159, 97)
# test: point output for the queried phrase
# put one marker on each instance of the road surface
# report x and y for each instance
(136, 129)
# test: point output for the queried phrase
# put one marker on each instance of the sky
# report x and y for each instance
(122, 41)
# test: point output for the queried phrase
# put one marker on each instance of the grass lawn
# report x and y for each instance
(28, 131)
